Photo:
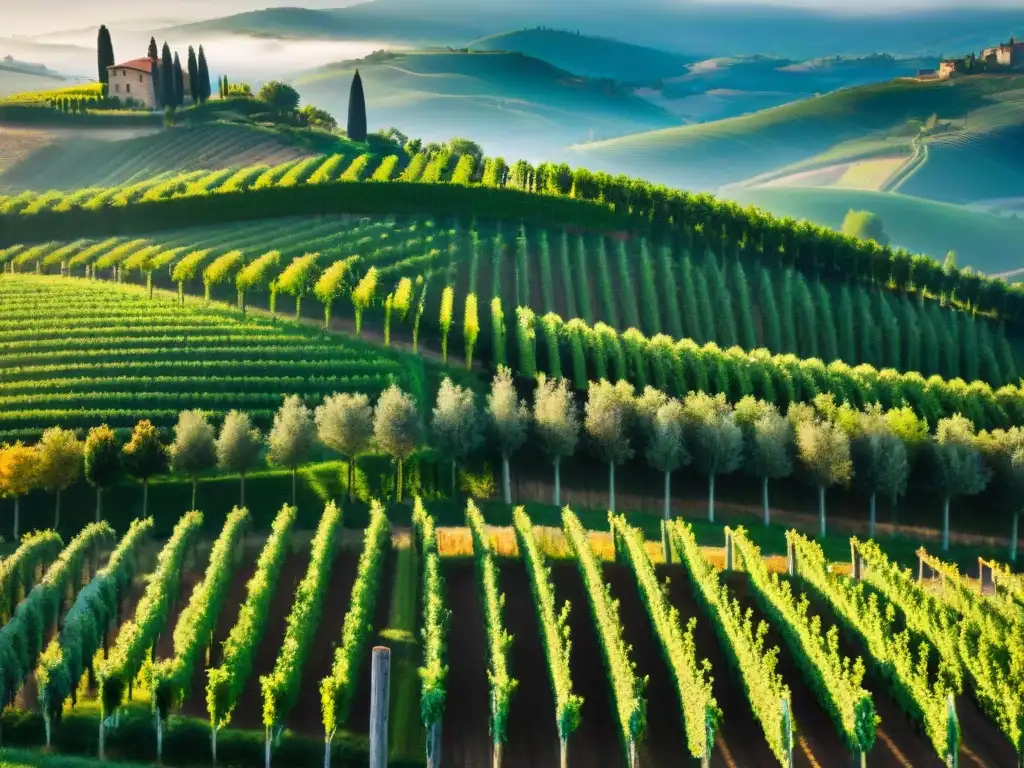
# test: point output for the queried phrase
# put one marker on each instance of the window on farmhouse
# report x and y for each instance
(128, 88)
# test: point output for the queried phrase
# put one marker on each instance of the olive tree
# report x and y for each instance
(344, 423)
(397, 428)
(238, 447)
(457, 424)
(19, 474)
(768, 444)
(144, 457)
(193, 451)
(880, 462)
(291, 437)
(557, 422)
(102, 462)
(824, 450)
(60, 464)
(509, 418)
(957, 467)
(1003, 451)
(713, 438)
(666, 445)
(608, 419)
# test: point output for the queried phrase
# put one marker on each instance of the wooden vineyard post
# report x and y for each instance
(728, 549)
(952, 734)
(434, 745)
(790, 558)
(986, 578)
(856, 563)
(787, 732)
(380, 689)
(665, 547)
(709, 738)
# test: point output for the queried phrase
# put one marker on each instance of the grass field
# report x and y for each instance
(117, 356)
(989, 243)
(526, 102)
(710, 155)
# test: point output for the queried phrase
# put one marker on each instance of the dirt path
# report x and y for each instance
(898, 741)
(532, 730)
(665, 740)
(740, 740)
(306, 716)
(249, 709)
(817, 742)
(165, 640)
(596, 742)
(464, 735)
(195, 702)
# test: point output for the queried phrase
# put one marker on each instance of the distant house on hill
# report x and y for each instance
(949, 67)
(1009, 54)
(134, 80)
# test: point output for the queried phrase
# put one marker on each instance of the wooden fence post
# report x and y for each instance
(728, 549)
(380, 690)
(665, 546)
(856, 563)
(787, 732)
(790, 557)
(986, 578)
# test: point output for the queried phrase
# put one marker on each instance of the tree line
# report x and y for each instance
(824, 443)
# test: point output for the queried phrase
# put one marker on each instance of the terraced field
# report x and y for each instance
(77, 354)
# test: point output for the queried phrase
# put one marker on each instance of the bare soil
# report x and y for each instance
(665, 741)
(532, 729)
(249, 709)
(464, 732)
(306, 718)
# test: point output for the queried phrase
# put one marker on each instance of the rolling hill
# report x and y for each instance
(589, 56)
(521, 104)
(711, 155)
(15, 79)
(989, 243)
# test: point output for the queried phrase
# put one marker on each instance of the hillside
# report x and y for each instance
(367, 21)
(589, 56)
(989, 243)
(507, 100)
(710, 155)
(112, 157)
(82, 353)
(16, 79)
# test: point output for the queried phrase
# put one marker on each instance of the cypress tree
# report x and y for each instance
(948, 357)
(627, 291)
(770, 314)
(847, 331)
(167, 77)
(158, 85)
(990, 371)
(670, 292)
(1006, 355)
(747, 332)
(955, 342)
(357, 109)
(193, 75)
(179, 82)
(104, 55)
(870, 344)
(154, 52)
(227, 88)
(203, 86)
(827, 323)
(808, 341)
(726, 329)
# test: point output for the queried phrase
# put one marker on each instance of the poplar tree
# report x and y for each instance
(238, 447)
(144, 457)
(880, 463)
(102, 462)
(60, 464)
(193, 450)
(713, 439)
(770, 314)
(397, 428)
(847, 334)
(344, 424)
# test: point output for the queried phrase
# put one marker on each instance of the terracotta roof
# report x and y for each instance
(142, 65)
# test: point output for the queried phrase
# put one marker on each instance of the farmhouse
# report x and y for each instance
(949, 67)
(134, 80)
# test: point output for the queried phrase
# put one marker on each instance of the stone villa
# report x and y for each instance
(134, 80)
(1003, 56)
